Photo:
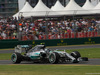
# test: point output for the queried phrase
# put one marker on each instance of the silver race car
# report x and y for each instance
(41, 54)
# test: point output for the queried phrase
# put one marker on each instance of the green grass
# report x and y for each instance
(90, 53)
(48, 70)
(5, 56)
(8, 49)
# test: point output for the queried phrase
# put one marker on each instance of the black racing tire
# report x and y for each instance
(75, 54)
(54, 58)
(16, 58)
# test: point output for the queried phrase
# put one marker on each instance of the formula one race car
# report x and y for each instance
(40, 53)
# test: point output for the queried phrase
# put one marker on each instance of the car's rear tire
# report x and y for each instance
(76, 55)
(54, 58)
(16, 58)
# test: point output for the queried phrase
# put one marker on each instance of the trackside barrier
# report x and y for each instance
(69, 35)
(55, 36)
(12, 43)
(53, 42)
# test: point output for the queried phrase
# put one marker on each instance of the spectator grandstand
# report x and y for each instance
(35, 30)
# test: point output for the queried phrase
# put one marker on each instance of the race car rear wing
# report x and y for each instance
(19, 48)
(24, 46)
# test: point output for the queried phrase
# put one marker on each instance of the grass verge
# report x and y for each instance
(5, 56)
(8, 49)
(48, 70)
(88, 52)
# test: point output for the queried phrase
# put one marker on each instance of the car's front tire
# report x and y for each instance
(54, 58)
(16, 58)
(76, 55)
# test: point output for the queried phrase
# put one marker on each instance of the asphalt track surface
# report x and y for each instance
(90, 62)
